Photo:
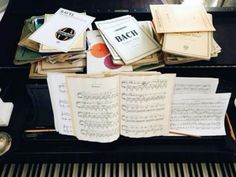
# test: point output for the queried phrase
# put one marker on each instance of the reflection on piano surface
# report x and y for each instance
(120, 169)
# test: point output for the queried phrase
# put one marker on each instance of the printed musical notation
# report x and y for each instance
(143, 105)
(96, 109)
(199, 114)
(142, 97)
(142, 131)
(104, 97)
(138, 85)
(60, 103)
(190, 85)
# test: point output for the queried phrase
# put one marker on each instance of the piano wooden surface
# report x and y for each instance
(51, 147)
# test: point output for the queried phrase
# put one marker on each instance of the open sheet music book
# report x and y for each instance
(100, 108)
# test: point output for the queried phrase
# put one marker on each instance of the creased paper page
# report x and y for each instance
(180, 18)
(199, 114)
(59, 100)
(146, 104)
(95, 108)
(188, 85)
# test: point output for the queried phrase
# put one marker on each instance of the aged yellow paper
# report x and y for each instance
(180, 18)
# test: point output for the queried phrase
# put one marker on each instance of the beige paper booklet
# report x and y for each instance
(194, 44)
(132, 105)
(180, 18)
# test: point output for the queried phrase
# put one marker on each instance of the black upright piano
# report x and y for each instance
(50, 154)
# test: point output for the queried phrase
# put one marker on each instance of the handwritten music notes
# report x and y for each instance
(145, 105)
(199, 114)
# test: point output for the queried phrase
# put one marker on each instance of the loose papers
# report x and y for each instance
(196, 111)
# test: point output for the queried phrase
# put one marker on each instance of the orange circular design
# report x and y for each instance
(99, 50)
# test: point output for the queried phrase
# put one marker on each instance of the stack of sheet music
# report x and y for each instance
(185, 33)
(101, 107)
(33, 46)
(130, 44)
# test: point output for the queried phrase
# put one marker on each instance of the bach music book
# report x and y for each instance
(127, 38)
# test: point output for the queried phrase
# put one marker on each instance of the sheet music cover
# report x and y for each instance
(128, 39)
(62, 30)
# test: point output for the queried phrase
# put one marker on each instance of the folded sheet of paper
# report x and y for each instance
(62, 30)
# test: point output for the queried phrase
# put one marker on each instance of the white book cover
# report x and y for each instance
(99, 58)
(62, 30)
(128, 39)
(79, 44)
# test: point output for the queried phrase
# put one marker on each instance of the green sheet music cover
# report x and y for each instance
(24, 55)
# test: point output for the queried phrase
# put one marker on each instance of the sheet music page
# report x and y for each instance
(95, 107)
(199, 114)
(188, 85)
(146, 104)
(60, 106)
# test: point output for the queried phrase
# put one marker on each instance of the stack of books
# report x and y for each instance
(44, 59)
(130, 42)
(43, 40)
(185, 33)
